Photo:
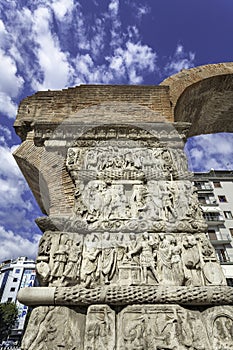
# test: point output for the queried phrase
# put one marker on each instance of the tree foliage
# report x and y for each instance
(8, 316)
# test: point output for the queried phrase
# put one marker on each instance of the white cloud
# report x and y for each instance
(114, 7)
(210, 151)
(97, 42)
(138, 9)
(62, 8)
(3, 34)
(14, 245)
(133, 61)
(12, 183)
(125, 65)
(48, 62)
(180, 60)
(10, 82)
(7, 105)
(54, 64)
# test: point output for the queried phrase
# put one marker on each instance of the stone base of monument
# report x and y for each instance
(154, 320)
(133, 327)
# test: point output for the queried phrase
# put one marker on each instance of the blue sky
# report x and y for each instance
(59, 43)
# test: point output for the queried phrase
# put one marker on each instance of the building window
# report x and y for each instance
(229, 282)
(212, 235)
(222, 255)
(231, 231)
(15, 279)
(217, 184)
(17, 271)
(202, 200)
(212, 216)
(12, 289)
(203, 185)
(228, 214)
(9, 300)
(222, 199)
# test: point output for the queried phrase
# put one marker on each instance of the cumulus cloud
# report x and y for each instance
(62, 8)
(14, 245)
(180, 60)
(7, 106)
(11, 84)
(127, 64)
(17, 207)
(12, 183)
(53, 62)
(5, 134)
(213, 151)
(133, 61)
(62, 45)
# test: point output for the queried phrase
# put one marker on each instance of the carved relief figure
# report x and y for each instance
(90, 266)
(223, 332)
(100, 328)
(72, 268)
(191, 260)
(137, 200)
(194, 209)
(118, 202)
(176, 263)
(46, 333)
(167, 194)
(147, 251)
(169, 265)
(108, 261)
(59, 259)
(164, 259)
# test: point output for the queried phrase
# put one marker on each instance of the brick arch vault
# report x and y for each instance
(203, 96)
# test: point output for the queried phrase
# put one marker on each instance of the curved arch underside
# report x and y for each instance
(203, 96)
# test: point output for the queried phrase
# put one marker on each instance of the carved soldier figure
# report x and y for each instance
(60, 258)
(164, 265)
(147, 256)
(137, 199)
(72, 269)
(90, 265)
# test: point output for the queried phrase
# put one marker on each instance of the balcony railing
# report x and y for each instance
(211, 218)
(206, 187)
(219, 238)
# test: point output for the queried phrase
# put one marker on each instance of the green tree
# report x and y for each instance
(8, 316)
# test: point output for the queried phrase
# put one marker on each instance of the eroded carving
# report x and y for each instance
(44, 332)
(161, 327)
(116, 258)
(100, 328)
(59, 258)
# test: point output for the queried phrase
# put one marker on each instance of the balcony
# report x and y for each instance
(225, 256)
(219, 238)
(213, 218)
(204, 187)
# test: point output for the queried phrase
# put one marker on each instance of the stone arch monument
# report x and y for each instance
(124, 262)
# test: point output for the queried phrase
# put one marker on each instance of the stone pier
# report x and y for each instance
(124, 262)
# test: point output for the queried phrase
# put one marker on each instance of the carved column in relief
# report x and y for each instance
(133, 234)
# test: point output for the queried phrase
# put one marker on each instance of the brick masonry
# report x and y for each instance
(202, 96)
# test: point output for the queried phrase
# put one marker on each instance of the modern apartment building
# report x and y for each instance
(16, 274)
(215, 193)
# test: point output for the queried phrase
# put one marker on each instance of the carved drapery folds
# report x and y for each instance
(117, 258)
